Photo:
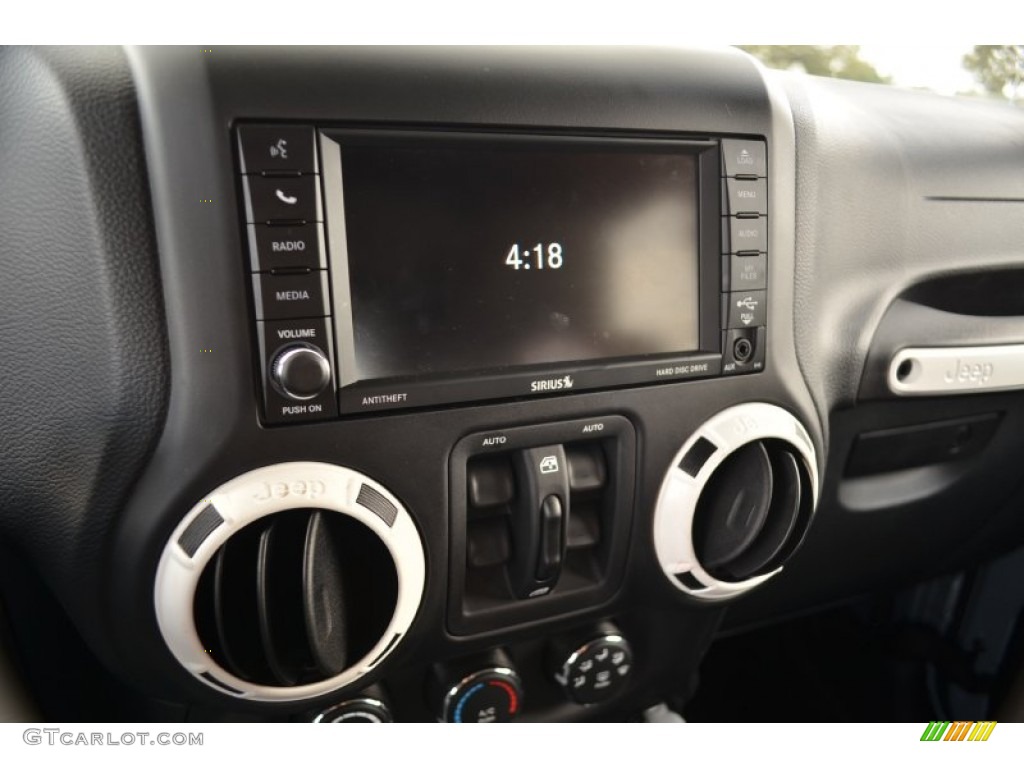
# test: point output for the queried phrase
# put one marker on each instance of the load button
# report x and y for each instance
(744, 157)
(280, 297)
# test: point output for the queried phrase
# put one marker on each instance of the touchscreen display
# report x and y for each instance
(484, 255)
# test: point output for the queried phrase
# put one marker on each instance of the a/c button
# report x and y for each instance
(282, 247)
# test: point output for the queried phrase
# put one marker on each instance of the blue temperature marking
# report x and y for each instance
(462, 702)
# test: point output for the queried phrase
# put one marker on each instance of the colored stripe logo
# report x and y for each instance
(958, 731)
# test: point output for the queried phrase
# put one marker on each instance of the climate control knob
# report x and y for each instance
(300, 371)
(488, 694)
(592, 668)
(361, 710)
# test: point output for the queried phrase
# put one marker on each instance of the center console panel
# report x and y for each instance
(507, 445)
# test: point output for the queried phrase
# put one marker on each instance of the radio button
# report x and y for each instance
(280, 297)
(270, 198)
(746, 272)
(284, 247)
(745, 196)
(277, 149)
(745, 309)
(744, 157)
(739, 235)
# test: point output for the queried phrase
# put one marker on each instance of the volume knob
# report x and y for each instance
(300, 371)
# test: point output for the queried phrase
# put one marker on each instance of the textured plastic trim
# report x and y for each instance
(677, 500)
(248, 498)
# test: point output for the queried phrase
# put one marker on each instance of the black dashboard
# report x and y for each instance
(480, 384)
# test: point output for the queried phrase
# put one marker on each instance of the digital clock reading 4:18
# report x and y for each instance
(540, 256)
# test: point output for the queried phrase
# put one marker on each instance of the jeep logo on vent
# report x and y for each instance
(310, 489)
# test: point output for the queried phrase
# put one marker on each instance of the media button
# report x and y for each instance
(284, 247)
(277, 149)
(280, 297)
(271, 198)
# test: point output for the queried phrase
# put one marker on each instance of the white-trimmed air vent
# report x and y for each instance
(290, 581)
(736, 502)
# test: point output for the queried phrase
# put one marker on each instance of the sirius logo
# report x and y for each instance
(551, 385)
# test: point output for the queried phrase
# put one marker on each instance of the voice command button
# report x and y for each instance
(277, 149)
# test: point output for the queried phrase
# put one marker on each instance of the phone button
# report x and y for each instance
(292, 199)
